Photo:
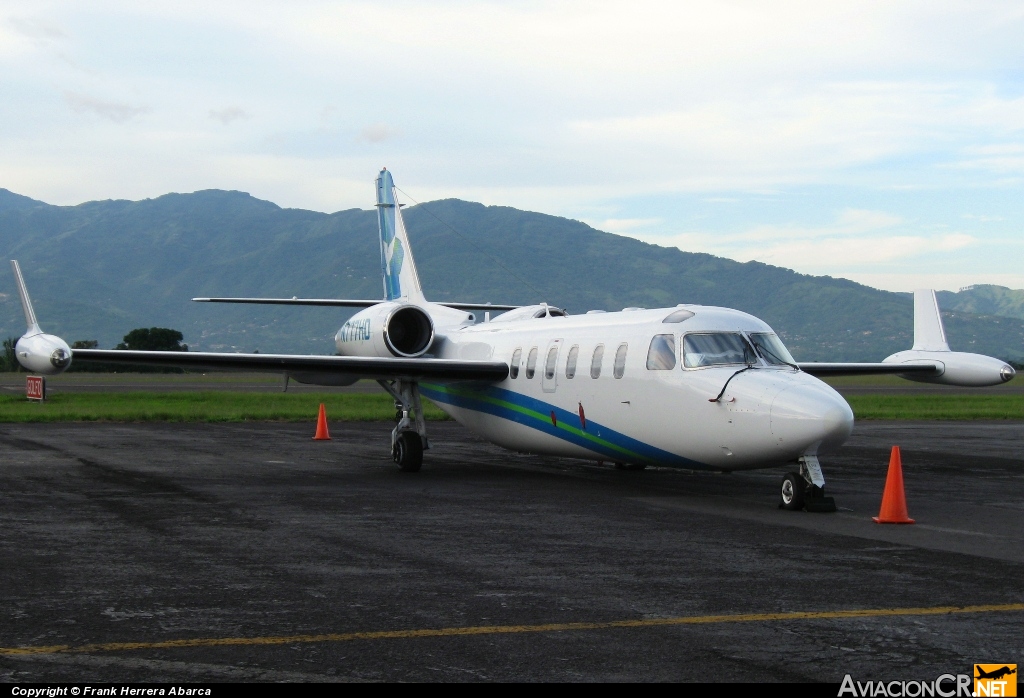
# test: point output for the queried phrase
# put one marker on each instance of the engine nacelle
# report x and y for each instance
(43, 353)
(958, 368)
(385, 330)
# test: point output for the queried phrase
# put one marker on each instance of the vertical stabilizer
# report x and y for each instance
(929, 334)
(26, 302)
(401, 282)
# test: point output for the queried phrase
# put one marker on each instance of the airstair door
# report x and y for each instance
(549, 377)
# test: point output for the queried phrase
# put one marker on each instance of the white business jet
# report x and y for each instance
(691, 386)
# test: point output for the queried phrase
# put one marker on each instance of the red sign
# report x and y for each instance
(35, 388)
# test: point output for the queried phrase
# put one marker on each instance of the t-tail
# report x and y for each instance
(37, 351)
(931, 346)
(401, 282)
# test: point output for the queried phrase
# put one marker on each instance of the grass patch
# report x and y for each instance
(206, 406)
(933, 406)
(226, 406)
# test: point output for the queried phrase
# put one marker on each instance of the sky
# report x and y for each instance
(877, 141)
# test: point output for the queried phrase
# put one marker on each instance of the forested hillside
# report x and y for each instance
(102, 268)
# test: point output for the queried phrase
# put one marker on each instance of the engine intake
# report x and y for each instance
(408, 331)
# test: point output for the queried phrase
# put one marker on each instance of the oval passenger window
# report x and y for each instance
(549, 364)
(531, 363)
(513, 369)
(595, 363)
(570, 362)
(620, 360)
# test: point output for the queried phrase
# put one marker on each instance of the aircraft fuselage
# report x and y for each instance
(617, 408)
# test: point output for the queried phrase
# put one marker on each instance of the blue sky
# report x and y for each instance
(878, 141)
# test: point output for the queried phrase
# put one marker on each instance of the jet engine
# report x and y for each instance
(387, 329)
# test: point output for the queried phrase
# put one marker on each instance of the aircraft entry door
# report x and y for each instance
(549, 376)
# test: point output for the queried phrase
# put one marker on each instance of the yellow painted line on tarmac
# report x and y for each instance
(511, 629)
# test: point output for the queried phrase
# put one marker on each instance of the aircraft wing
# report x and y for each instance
(347, 303)
(918, 368)
(363, 367)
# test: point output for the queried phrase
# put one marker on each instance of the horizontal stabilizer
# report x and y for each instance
(363, 367)
(919, 368)
(347, 303)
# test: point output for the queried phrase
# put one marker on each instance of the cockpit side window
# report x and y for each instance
(662, 354)
(771, 349)
(716, 349)
(513, 368)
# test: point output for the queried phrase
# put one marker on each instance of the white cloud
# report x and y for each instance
(621, 225)
(228, 114)
(949, 281)
(603, 111)
(36, 28)
(855, 238)
(112, 111)
(378, 133)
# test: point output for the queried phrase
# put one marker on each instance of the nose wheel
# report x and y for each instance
(805, 490)
(792, 492)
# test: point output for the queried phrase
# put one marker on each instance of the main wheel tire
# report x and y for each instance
(792, 492)
(408, 452)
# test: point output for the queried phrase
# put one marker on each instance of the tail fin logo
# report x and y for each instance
(393, 258)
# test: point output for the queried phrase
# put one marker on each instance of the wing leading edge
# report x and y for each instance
(362, 367)
(919, 368)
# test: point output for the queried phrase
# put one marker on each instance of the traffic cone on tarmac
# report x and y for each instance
(894, 499)
(321, 426)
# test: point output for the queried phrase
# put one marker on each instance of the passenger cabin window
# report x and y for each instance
(662, 354)
(513, 369)
(531, 363)
(570, 362)
(620, 360)
(771, 349)
(595, 363)
(549, 363)
(716, 349)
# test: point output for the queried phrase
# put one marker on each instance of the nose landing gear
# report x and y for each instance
(806, 489)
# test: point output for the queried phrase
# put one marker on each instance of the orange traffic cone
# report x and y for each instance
(894, 499)
(321, 426)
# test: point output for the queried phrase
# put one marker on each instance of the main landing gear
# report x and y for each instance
(806, 489)
(409, 437)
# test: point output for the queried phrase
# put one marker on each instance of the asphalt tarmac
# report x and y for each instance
(206, 552)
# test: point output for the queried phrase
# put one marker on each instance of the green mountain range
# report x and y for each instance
(102, 268)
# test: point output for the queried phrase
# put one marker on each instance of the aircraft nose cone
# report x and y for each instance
(809, 416)
(1006, 373)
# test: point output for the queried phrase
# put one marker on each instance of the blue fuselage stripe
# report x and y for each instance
(566, 425)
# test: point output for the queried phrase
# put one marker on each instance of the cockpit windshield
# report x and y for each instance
(716, 349)
(771, 349)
